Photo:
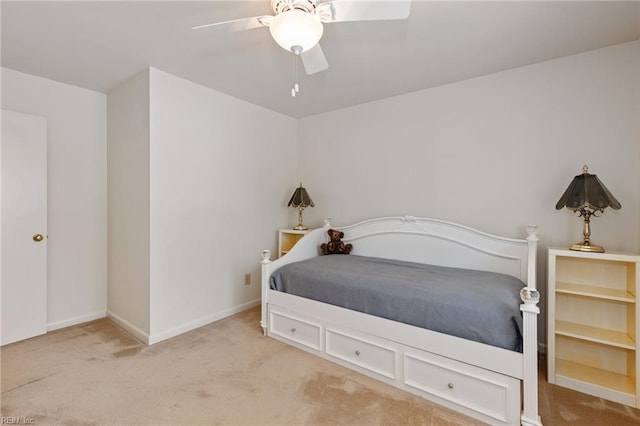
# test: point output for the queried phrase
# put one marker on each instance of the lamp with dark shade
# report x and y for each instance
(587, 196)
(300, 200)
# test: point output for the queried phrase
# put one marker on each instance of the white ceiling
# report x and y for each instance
(97, 45)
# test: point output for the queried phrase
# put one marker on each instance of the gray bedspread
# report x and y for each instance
(475, 305)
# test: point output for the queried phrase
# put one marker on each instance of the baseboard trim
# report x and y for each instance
(76, 320)
(175, 331)
(151, 339)
(135, 331)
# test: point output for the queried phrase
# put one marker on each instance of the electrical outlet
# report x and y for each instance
(247, 279)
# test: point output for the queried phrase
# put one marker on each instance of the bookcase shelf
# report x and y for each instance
(592, 328)
(594, 334)
(596, 381)
(596, 292)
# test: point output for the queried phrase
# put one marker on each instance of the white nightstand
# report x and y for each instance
(287, 238)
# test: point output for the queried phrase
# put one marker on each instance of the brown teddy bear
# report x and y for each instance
(335, 245)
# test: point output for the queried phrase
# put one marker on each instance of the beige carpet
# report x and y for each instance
(224, 373)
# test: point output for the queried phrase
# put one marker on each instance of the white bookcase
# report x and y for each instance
(593, 323)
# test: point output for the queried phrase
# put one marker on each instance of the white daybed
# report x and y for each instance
(494, 385)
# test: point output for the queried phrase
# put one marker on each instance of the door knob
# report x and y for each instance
(38, 237)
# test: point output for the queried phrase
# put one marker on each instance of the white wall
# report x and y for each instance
(77, 192)
(196, 183)
(219, 172)
(638, 123)
(128, 206)
(494, 153)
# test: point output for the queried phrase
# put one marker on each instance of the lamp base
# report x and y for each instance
(588, 247)
(300, 227)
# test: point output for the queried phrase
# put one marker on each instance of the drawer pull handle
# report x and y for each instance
(293, 330)
(450, 385)
(358, 353)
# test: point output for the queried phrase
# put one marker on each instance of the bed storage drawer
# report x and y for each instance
(295, 329)
(363, 352)
(482, 391)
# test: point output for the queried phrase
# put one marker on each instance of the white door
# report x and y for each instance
(24, 226)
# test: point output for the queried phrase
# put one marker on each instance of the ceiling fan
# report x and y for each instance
(297, 25)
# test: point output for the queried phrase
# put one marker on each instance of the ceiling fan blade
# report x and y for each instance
(314, 60)
(241, 24)
(358, 10)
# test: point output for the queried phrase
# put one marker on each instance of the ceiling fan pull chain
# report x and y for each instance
(295, 84)
(293, 72)
(296, 88)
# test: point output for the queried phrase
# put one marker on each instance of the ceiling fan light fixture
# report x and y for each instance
(296, 28)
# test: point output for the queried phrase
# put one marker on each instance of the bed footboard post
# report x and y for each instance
(530, 310)
(265, 263)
